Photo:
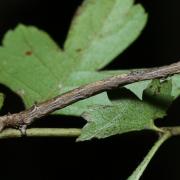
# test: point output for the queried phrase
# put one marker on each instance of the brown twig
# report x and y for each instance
(22, 119)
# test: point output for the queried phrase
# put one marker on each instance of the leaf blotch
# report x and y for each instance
(78, 50)
(28, 53)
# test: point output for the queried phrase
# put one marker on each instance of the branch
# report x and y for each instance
(174, 131)
(70, 132)
(22, 119)
(41, 132)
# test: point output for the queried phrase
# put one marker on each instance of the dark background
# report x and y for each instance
(115, 157)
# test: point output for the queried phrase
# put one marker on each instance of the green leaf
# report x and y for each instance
(176, 86)
(129, 114)
(118, 119)
(103, 29)
(138, 87)
(35, 67)
(28, 58)
(142, 166)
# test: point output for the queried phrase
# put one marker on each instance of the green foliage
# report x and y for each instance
(129, 113)
(176, 86)
(103, 29)
(37, 69)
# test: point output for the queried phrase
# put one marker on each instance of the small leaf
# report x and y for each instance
(142, 166)
(128, 114)
(176, 86)
(103, 29)
(138, 87)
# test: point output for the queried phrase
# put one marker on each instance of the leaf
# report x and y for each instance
(176, 86)
(129, 114)
(28, 58)
(142, 166)
(118, 119)
(35, 67)
(138, 87)
(103, 29)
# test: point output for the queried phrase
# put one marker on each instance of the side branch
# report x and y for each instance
(41, 132)
(24, 118)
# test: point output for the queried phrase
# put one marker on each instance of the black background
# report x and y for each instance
(115, 157)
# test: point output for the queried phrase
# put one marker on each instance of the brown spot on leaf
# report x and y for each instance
(28, 53)
(78, 50)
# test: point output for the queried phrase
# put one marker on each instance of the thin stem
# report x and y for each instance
(26, 117)
(142, 166)
(174, 130)
(67, 132)
(41, 132)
